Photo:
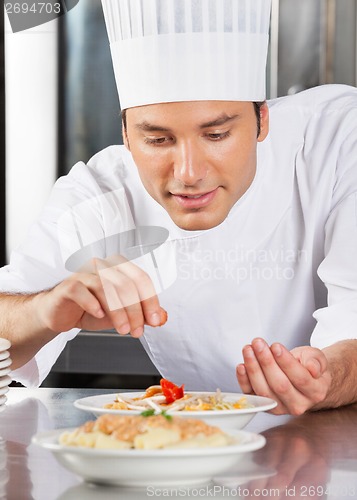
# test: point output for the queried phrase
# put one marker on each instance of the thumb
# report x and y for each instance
(314, 367)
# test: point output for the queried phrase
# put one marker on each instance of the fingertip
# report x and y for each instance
(155, 319)
(163, 317)
(276, 349)
(248, 351)
(243, 380)
(138, 332)
(241, 371)
(123, 329)
(158, 318)
(99, 313)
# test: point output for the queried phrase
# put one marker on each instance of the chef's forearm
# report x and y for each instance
(19, 323)
(342, 363)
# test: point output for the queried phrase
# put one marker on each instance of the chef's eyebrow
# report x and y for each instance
(216, 122)
(150, 127)
(220, 120)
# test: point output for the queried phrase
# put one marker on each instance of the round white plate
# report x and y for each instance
(4, 371)
(4, 344)
(4, 381)
(233, 419)
(150, 467)
(4, 390)
(4, 355)
(5, 363)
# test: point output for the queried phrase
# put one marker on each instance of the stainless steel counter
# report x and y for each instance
(313, 456)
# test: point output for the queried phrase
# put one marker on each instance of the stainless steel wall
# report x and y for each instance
(89, 107)
(313, 42)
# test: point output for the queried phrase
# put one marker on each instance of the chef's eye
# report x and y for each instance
(157, 141)
(218, 136)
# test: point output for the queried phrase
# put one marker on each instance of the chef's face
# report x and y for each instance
(195, 158)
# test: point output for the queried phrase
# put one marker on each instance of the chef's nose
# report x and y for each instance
(190, 166)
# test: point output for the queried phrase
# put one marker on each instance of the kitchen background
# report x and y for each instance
(58, 105)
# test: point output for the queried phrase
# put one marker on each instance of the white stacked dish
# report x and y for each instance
(5, 369)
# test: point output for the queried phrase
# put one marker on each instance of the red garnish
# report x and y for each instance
(171, 391)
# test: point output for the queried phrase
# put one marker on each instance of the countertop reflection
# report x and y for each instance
(312, 456)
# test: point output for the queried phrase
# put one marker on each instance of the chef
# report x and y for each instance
(244, 211)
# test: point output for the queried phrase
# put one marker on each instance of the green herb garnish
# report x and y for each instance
(148, 413)
(151, 412)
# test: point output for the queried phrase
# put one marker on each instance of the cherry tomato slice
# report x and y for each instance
(171, 391)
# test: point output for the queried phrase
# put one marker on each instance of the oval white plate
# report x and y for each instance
(150, 467)
(233, 419)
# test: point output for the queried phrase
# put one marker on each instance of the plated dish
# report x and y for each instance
(170, 397)
(145, 432)
(144, 467)
(229, 410)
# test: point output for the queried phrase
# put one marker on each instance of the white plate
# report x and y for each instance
(4, 381)
(220, 488)
(4, 390)
(233, 419)
(4, 371)
(4, 355)
(3, 400)
(150, 467)
(4, 344)
(5, 363)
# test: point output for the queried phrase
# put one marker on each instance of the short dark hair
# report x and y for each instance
(257, 106)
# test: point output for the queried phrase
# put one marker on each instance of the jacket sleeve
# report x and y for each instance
(338, 271)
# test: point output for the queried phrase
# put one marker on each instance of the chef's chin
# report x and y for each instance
(198, 221)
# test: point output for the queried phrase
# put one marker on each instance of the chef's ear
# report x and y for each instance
(125, 137)
(264, 122)
(124, 129)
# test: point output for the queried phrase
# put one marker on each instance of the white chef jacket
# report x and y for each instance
(282, 266)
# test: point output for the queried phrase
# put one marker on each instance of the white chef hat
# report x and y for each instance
(188, 50)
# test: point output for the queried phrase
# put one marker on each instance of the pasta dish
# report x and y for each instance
(168, 397)
(145, 432)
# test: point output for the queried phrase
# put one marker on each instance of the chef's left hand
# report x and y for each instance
(298, 379)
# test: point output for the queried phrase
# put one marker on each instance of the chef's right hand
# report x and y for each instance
(120, 296)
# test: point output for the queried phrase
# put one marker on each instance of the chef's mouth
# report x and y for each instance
(195, 200)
